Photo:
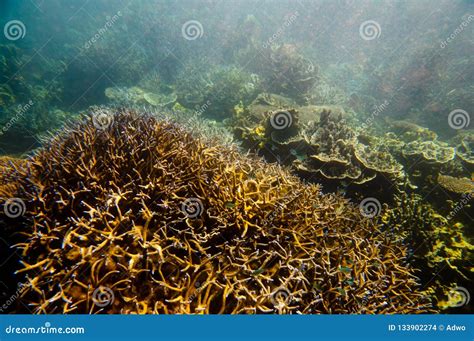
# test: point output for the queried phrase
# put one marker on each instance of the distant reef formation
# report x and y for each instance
(126, 213)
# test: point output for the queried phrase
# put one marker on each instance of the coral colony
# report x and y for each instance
(170, 223)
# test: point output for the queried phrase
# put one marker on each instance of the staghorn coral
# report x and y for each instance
(9, 169)
(168, 223)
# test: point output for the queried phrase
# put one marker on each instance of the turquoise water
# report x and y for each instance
(370, 99)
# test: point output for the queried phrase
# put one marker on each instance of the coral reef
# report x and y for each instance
(326, 149)
(456, 185)
(135, 215)
(136, 96)
(9, 169)
(465, 150)
(287, 72)
(216, 91)
(436, 243)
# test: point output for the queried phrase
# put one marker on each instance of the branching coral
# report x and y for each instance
(9, 170)
(163, 222)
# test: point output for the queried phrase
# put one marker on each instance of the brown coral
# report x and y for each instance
(8, 167)
(326, 150)
(456, 185)
(162, 222)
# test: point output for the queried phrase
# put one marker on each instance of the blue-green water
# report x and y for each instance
(370, 99)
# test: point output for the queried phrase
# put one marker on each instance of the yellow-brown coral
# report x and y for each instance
(456, 185)
(167, 223)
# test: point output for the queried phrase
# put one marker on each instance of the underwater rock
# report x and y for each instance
(130, 214)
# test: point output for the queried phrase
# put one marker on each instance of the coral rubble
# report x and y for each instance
(139, 216)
